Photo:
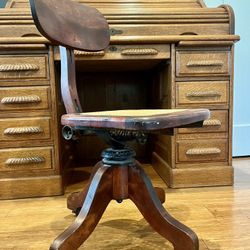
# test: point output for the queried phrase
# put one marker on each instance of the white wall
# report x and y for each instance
(2, 3)
(241, 127)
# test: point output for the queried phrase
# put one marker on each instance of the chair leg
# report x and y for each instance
(76, 199)
(98, 196)
(161, 194)
(142, 193)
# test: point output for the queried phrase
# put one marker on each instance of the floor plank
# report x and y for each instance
(219, 215)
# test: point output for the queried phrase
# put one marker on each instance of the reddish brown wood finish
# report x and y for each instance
(142, 193)
(120, 183)
(98, 196)
(104, 186)
(153, 122)
(68, 81)
(69, 23)
(75, 200)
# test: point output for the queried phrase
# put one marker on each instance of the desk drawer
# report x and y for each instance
(202, 150)
(130, 52)
(23, 159)
(24, 98)
(202, 93)
(218, 122)
(19, 129)
(23, 67)
(18, 29)
(202, 63)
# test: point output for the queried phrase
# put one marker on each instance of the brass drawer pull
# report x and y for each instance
(25, 160)
(203, 151)
(21, 99)
(203, 94)
(212, 122)
(89, 53)
(18, 67)
(132, 52)
(22, 130)
(205, 63)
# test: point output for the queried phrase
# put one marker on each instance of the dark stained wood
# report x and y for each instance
(71, 24)
(114, 182)
(98, 197)
(120, 183)
(113, 90)
(68, 81)
(76, 199)
(142, 193)
(161, 194)
(151, 122)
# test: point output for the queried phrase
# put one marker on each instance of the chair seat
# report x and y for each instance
(140, 119)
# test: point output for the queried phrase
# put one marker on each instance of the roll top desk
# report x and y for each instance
(163, 54)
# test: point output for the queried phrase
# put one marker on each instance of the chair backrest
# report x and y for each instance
(73, 26)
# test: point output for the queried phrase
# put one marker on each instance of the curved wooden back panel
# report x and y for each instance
(71, 24)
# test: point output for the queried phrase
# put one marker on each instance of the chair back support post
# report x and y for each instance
(68, 81)
(74, 26)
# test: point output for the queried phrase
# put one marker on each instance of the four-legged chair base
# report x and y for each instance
(120, 182)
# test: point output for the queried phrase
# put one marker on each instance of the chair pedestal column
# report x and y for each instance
(121, 181)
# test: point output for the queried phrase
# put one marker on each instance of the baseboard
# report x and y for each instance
(30, 187)
(193, 177)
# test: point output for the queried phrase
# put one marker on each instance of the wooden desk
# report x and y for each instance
(166, 54)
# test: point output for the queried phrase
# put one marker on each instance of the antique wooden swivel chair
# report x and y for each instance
(118, 176)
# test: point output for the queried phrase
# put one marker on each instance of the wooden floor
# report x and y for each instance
(220, 216)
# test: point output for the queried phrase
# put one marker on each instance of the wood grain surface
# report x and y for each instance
(74, 25)
(219, 215)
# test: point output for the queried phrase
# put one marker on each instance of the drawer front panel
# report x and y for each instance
(202, 150)
(218, 122)
(202, 63)
(119, 52)
(24, 98)
(25, 129)
(26, 159)
(202, 93)
(151, 51)
(20, 30)
(23, 67)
